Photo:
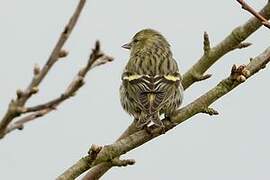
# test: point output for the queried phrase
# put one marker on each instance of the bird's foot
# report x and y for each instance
(162, 129)
(147, 129)
(170, 121)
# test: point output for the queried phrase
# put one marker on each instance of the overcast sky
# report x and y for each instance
(232, 145)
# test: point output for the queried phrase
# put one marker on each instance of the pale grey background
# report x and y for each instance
(233, 145)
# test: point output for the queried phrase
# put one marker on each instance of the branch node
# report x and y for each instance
(21, 110)
(20, 127)
(63, 53)
(13, 106)
(97, 57)
(248, 8)
(121, 163)
(210, 111)
(243, 45)
(34, 90)
(240, 74)
(19, 93)
(94, 150)
(66, 29)
(241, 78)
(206, 43)
(36, 69)
(199, 77)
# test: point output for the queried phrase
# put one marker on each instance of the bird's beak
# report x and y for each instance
(126, 46)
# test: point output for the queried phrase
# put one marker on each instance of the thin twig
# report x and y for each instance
(15, 106)
(230, 43)
(19, 124)
(248, 8)
(96, 58)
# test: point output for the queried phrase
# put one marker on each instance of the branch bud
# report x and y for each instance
(246, 73)
(36, 69)
(62, 54)
(34, 90)
(19, 93)
(241, 78)
(21, 109)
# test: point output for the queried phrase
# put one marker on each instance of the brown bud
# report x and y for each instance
(246, 73)
(20, 127)
(62, 53)
(94, 149)
(241, 78)
(36, 69)
(34, 90)
(19, 93)
(73, 94)
(234, 68)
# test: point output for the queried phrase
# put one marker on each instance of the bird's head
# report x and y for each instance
(145, 40)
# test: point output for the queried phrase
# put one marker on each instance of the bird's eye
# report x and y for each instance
(135, 40)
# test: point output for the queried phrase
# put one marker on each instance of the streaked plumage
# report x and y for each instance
(151, 82)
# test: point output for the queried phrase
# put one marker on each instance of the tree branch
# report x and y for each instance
(97, 171)
(96, 58)
(109, 152)
(15, 106)
(248, 8)
(83, 164)
(231, 42)
(19, 124)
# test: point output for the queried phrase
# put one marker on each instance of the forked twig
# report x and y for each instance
(248, 8)
(96, 58)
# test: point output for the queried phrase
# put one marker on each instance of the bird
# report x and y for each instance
(151, 82)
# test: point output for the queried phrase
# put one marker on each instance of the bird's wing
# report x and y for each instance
(151, 92)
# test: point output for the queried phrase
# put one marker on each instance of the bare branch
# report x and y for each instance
(94, 150)
(231, 42)
(97, 171)
(109, 152)
(237, 36)
(38, 77)
(19, 124)
(96, 58)
(85, 163)
(248, 8)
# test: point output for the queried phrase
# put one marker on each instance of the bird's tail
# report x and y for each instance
(145, 120)
(156, 120)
